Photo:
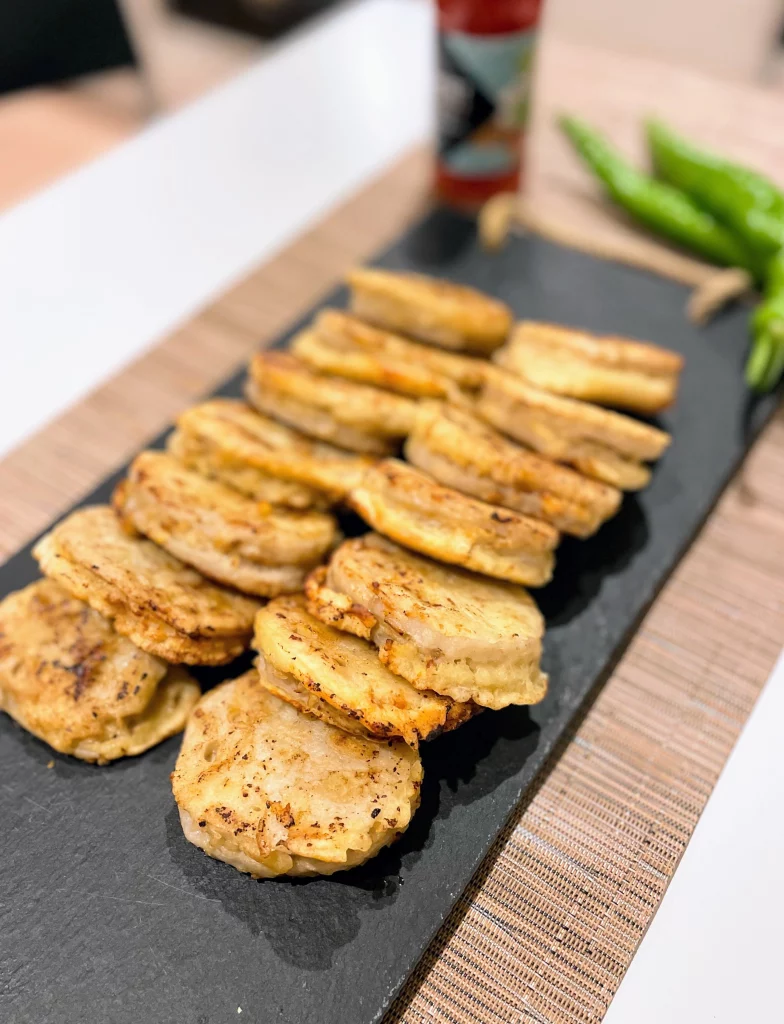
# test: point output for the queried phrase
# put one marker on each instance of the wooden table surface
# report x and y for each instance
(552, 920)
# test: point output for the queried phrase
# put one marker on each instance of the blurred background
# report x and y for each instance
(79, 76)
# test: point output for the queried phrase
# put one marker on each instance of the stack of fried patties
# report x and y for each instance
(497, 465)
(466, 469)
(500, 456)
(468, 473)
(93, 657)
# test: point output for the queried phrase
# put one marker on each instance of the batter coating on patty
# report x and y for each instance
(272, 791)
(599, 443)
(350, 415)
(68, 678)
(339, 678)
(440, 312)
(461, 451)
(232, 539)
(609, 370)
(346, 346)
(413, 509)
(149, 596)
(225, 440)
(441, 628)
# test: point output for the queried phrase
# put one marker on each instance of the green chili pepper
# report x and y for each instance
(746, 202)
(766, 360)
(660, 207)
(774, 274)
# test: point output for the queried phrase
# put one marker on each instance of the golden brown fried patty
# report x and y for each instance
(230, 538)
(307, 659)
(149, 596)
(441, 628)
(461, 451)
(436, 311)
(608, 370)
(68, 678)
(351, 415)
(275, 792)
(413, 509)
(208, 460)
(228, 441)
(601, 444)
(346, 346)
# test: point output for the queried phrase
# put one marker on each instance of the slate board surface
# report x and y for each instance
(108, 914)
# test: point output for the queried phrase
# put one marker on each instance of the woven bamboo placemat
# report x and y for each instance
(552, 920)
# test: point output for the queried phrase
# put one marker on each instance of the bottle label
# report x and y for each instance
(483, 101)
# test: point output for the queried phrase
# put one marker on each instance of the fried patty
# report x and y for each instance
(68, 678)
(441, 628)
(149, 596)
(351, 415)
(226, 440)
(229, 538)
(440, 312)
(461, 451)
(602, 444)
(324, 670)
(274, 792)
(413, 509)
(605, 369)
(343, 345)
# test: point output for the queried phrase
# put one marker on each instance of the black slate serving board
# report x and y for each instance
(108, 914)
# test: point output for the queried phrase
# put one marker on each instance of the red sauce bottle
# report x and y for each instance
(485, 56)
